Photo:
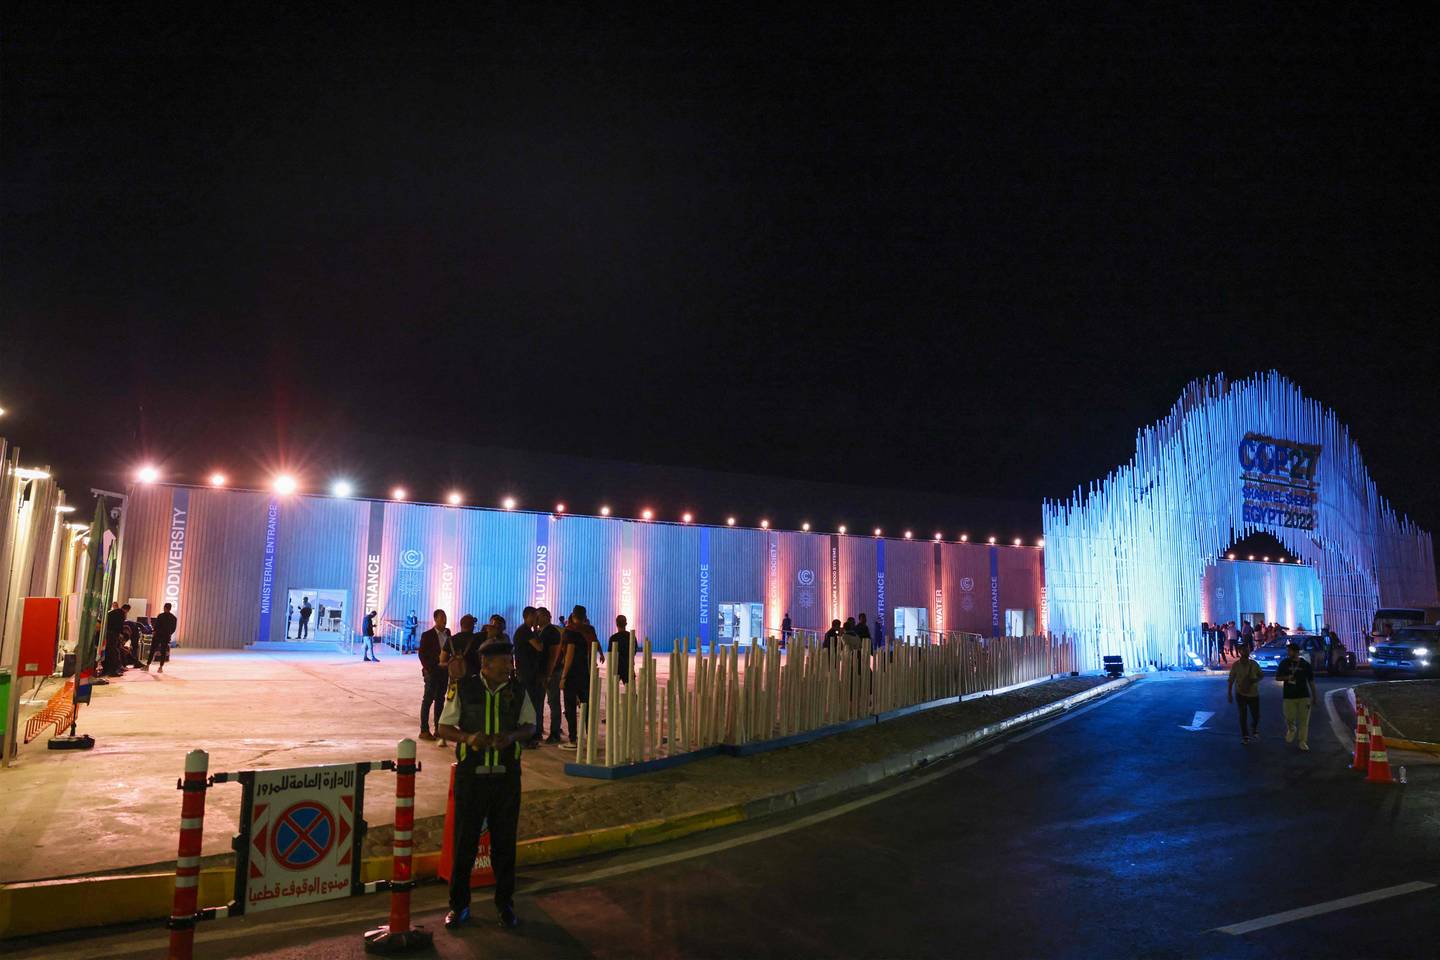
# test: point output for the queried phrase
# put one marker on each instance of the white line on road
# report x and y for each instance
(1337, 726)
(1329, 906)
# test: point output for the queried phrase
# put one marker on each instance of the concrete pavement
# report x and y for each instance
(1113, 831)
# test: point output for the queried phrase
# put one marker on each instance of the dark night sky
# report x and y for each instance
(961, 251)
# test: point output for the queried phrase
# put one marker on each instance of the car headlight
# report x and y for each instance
(1421, 651)
(1372, 648)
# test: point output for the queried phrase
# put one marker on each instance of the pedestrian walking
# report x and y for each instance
(1298, 678)
(488, 718)
(160, 643)
(620, 643)
(786, 630)
(436, 679)
(305, 611)
(553, 649)
(1243, 690)
(367, 631)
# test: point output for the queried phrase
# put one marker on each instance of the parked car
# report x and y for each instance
(1409, 652)
(1324, 651)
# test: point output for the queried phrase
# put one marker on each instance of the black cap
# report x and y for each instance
(497, 648)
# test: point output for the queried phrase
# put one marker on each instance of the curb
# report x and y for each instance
(47, 906)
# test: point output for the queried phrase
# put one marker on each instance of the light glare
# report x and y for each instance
(217, 479)
(342, 488)
(147, 474)
(284, 484)
(454, 498)
(398, 493)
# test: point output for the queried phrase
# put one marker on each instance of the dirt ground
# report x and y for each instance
(1411, 708)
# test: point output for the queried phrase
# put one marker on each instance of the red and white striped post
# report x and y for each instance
(397, 936)
(187, 861)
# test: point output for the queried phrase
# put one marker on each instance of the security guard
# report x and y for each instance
(489, 718)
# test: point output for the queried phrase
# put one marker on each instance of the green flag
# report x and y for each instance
(99, 573)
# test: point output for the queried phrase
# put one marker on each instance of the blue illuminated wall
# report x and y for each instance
(669, 579)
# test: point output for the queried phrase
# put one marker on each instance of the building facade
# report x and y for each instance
(241, 565)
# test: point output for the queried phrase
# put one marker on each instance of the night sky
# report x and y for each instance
(957, 251)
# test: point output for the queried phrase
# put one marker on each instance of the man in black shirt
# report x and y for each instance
(1299, 680)
(305, 611)
(620, 642)
(530, 662)
(552, 648)
(164, 629)
(862, 629)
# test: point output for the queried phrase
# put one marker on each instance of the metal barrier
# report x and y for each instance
(300, 839)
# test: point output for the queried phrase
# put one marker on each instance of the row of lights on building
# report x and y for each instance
(285, 484)
(1231, 556)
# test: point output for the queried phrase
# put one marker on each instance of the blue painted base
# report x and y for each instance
(649, 766)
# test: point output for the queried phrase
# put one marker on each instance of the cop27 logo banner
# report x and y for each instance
(1280, 488)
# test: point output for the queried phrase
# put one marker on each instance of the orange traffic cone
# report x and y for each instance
(1362, 739)
(1379, 762)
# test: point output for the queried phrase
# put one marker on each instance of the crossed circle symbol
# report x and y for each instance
(303, 834)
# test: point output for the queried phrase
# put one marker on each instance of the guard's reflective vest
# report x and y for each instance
(482, 711)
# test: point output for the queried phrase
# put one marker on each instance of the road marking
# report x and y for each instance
(1198, 723)
(1329, 906)
(1337, 727)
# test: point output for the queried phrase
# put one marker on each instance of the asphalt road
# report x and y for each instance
(1112, 832)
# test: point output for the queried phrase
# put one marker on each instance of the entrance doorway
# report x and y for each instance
(742, 621)
(911, 622)
(326, 619)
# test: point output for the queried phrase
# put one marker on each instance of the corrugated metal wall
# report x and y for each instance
(469, 560)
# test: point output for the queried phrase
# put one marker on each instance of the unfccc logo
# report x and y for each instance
(967, 584)
(806, 577)
(411, 558)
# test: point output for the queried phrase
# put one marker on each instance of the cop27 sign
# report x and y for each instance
(1280, 489)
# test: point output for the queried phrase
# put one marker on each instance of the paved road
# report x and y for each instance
(1112, 832)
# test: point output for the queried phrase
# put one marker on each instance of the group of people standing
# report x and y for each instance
(1224, 640)
(552, 666)
(851, 634)
(120, 642)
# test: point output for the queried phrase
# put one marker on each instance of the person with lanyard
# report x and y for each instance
(552, 647)
(1298, 677)
(489, 718)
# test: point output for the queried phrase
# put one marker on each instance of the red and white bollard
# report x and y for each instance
(397, 936)
(187, 862)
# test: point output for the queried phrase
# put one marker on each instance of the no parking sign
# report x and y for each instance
(300, 835)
